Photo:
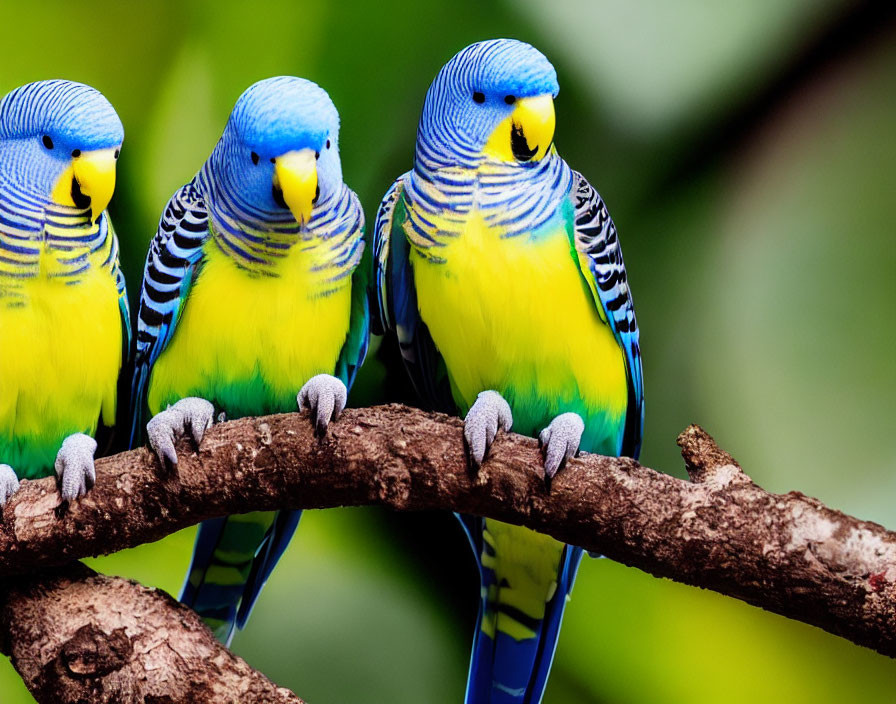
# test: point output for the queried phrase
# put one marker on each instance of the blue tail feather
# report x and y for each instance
(275, 545)
(229, 568)
(550, 635)
(504, 670)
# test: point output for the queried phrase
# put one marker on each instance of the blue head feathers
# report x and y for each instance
(280, 141)
(58, 142)
(72, 115)
(477, 90)
(284, 113)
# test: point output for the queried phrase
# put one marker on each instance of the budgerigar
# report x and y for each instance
(64, 326)
(253, 299)
(499, 268)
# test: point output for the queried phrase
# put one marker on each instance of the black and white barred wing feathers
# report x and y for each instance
(597, 243)
(174, 255)
(397, 303)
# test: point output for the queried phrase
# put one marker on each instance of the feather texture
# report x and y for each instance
(242, 304)
(504, 273)
(64, 314)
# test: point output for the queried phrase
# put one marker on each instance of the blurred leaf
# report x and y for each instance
(343, 620)
(800, 374)
(632, 638)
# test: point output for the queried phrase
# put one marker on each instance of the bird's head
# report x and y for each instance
(494, 99)
(60, 142)
(280, 147)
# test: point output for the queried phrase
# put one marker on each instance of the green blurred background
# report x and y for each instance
(747, 153)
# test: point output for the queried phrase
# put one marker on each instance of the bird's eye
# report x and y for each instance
(317, 155)
(328, 144)
(48, 143)
(254, 158)
(117, 154)
(75, 153)
(509, 99)
(478, 97)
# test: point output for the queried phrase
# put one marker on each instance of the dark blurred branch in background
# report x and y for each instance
(786, 553)
(76, 636)
(850, 29)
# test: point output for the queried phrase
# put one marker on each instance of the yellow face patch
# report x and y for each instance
(527, 134)
(93, 173)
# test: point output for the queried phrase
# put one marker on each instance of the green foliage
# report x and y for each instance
(762, 273)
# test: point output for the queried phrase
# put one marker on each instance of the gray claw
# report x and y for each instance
(9, 483)
(74, 465)
(325, 396)
(488, 413)
(192, 414)
(560, 441)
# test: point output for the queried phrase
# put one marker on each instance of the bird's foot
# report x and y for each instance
(9, 483)
(74, 465)
(560, 441)
(192, 414)
(325, 396)
(488, 413)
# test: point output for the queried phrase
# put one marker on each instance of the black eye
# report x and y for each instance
(478, 97)
(509, 99)
(317, 155)
(117, 154)
(48, 143)
(328, 144)
(75, 152)
(254, 158)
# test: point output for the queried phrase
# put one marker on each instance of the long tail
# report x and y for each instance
(526, 579)
(232, 560)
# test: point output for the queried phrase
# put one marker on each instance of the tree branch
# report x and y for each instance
(786, 553)
(76, 636)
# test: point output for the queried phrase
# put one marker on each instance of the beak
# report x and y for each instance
(89, 182)
(527, 134)
(295, 182)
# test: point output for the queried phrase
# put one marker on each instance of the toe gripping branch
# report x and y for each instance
(189, 415)
(325, 396)
(489, 413)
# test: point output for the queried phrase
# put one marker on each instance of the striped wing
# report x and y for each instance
(382, 232)
(123, 304)
(397, 304)
(355, 348)
(600, 259)
(112, 438)
(174, 255)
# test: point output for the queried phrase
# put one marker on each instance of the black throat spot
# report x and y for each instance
(81, 201)
(519, 146)
(277, 195)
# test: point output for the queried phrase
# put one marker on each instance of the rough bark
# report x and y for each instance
(787, 553)
(76, 636)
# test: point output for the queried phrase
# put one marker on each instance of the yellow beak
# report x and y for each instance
(90, 176)
(527, 134)
(295, 175)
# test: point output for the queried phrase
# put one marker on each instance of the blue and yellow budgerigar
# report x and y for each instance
(499, 269)
(254, 298)
(64, 326)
